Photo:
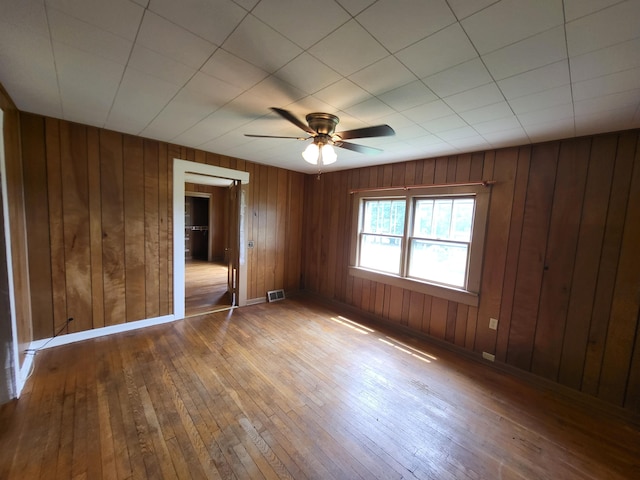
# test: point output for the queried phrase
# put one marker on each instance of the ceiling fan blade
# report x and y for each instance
(275, 136)
(293, 119)
(358, 148)
(375, 131)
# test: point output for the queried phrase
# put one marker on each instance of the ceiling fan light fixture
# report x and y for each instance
(311, 154)
(316, 154)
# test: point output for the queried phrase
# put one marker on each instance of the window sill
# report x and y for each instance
(448, 293)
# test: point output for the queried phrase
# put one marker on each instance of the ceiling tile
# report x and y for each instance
(533, 52)
(551, 114)
(510, 21)
(457, 79)
(383, 76)
(470, 143)
(120, 17)
(540, 100)
(398, 26)
(408, 96)
(497, 125)
(139, 99)
(607, 27)
(308, 74)
(614, 83)
(28, 70)
(363, 49)
(428, 111)
(88, 84)
(604, 121)
(552, 130)
(457, 133)
(216, 125)
(211, 91)
(488, 112)
(442, 50)
(464, 8)
(342, 94)
(172, 41)
(475, 98)
(77, 33)
(621, 56)
(354, 7)
(574, 9)
(270, 92)
(304, 22)
(369, 110)
(507, 138)
(154, 64)
(234, 70)
(443, 124)
(603, 103)
(26, 14)
(260, 45)
(212, 20)
(534, 81)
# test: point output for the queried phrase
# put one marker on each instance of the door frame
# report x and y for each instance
(186, 171)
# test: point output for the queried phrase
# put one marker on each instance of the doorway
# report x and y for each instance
(235, 180)
(206, 237)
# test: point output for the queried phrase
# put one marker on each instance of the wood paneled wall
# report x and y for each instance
(17, 222)
(99, 217)
(561, 268)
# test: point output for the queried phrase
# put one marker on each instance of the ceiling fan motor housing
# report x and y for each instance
(323, 123)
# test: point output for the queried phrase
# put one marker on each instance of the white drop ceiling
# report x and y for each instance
(449, 76)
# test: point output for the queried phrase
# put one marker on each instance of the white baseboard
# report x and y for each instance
(98, 332)
(256, 301)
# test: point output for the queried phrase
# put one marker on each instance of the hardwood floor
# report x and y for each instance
(205, 287)
(291, 390)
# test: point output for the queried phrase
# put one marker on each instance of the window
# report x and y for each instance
(429, 240)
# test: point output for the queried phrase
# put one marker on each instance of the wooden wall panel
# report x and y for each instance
(102, 239)
(56, 225)
(559, 270)
(37, 213)
(623, 321)
(95, 226)
(151, 229)
(607, 149)
(560, 257)
(17, 222)
(134, 223)
(75, 206)
(532, 253)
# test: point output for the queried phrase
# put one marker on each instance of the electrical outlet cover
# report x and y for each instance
(493, 323)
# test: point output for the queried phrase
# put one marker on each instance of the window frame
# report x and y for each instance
(469, 294)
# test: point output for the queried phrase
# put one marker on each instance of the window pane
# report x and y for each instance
(439, 262)
(462, 219)
(423, 218)
(442, 217)
(380, 253)
(384, 216)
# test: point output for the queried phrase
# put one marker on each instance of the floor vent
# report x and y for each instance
(275, 295)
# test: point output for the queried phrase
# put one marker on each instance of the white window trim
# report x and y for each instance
(468, 295)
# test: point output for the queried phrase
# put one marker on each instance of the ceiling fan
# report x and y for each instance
(321, 128)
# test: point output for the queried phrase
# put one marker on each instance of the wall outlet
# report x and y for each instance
(493, 323)
(488, 356)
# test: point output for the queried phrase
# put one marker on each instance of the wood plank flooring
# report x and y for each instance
(293, 390)
(205, 287)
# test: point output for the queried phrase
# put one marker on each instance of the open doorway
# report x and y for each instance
(233, 181)
(206, 220)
